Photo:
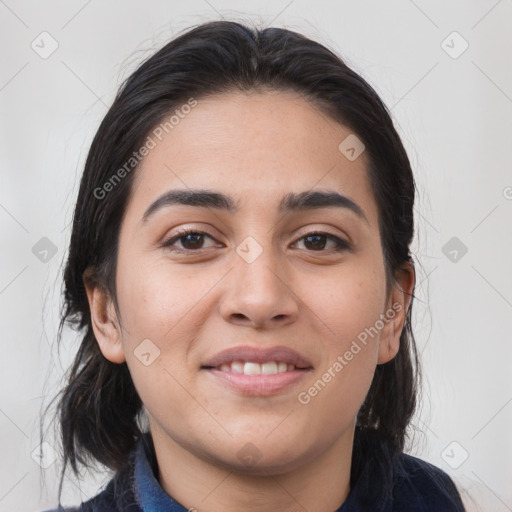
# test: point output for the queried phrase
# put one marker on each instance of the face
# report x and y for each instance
(207, 319)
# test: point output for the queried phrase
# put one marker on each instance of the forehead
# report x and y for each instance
(256, 147)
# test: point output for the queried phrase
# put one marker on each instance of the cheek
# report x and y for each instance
(156, 306)
(153, 300)
(160, 304)
(335, 396)
(351, 310)
(352, 301)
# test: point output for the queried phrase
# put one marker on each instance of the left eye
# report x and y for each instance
(318, 241)
(193, 240)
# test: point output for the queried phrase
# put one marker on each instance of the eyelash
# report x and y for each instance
(341, 245)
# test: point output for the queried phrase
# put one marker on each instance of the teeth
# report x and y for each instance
(237, 367)
(282, 367)
(250, 368)
(269, 368)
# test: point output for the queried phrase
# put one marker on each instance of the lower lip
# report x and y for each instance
(259, 385)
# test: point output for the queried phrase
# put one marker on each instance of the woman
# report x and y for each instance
(239, 267)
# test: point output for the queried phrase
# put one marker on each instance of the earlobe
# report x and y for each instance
(396, 314)
(104, 323)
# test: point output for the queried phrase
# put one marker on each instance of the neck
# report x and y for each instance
(322, 484)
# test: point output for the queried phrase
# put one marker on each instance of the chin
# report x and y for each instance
(248, 461)
(259, 454)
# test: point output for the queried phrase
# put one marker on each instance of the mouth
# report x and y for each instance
(257, 372)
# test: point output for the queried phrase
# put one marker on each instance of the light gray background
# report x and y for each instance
(454, 115)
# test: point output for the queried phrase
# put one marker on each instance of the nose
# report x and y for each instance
(259, 294)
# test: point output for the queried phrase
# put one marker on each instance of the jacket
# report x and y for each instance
(416, 486)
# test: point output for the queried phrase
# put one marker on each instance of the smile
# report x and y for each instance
(251, 368)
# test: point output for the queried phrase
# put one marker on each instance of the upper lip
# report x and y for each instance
(257, 355)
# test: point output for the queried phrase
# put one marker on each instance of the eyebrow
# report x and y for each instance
(291, 202)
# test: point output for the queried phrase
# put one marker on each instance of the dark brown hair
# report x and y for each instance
(99, 408)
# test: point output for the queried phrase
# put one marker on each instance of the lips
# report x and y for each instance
(257, 371)
(257, 355)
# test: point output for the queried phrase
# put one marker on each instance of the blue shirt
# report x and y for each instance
(417, 486)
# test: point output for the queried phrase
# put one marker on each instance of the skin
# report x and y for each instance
(255, 147)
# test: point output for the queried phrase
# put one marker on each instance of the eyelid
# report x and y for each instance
(324, 230)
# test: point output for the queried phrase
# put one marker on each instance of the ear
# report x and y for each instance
(104, 320)
(396, 312)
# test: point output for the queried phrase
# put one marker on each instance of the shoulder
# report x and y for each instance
(419, 485)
